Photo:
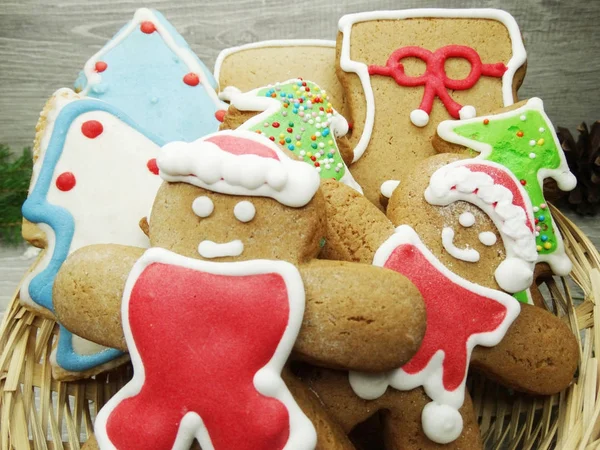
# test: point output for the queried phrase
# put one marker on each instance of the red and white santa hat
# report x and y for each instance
(239, 162)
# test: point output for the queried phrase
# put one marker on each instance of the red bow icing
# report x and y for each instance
(435, 80)
(208, 342)
(460, 315)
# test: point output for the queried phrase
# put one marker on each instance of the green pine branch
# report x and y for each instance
(14, 183)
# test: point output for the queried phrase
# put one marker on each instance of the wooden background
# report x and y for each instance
(44, 44)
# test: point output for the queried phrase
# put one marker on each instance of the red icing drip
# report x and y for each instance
(65, 181)
(152, 166)
(201, 338)
(191, 79)
(92, 129)
(100, 66)
(220, 115)
(241, 146)
(434, 79)
(503, 178)
(454, 313)
(147, 27)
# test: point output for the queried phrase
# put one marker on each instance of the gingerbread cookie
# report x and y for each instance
(262, 63)
(405, 71)
(226, 198)
(142, 90)
(298, 115)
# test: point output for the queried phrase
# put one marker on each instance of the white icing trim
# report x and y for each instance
(210, 249)
(251, 101)
(203, 164)
(370, 386)
(345, 26)
(183, 53)
(388, 187)
(267, 380)
(566, 181)
(463, 254)
(456, 181)
(265, 44)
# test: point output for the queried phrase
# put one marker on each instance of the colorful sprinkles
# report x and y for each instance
(303, 125)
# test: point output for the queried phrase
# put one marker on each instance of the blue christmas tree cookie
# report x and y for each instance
(149, 72)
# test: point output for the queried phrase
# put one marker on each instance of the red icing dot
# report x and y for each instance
(520, 133)
(65, 181)
(100, 66)
(191, 79)
(92, 129)
(272, 138)
(275, 124)
(152, 166)
(486, 121)
(220, 115)
(523, 182)
(147, 27)
(289, 130)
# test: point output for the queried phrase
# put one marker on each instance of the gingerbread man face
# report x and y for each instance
(222, 227)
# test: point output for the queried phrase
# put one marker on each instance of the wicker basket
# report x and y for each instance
(39, 412)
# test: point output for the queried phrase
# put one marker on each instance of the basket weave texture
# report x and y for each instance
(39, 412)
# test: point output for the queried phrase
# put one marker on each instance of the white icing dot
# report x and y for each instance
(542, 129)
(388, 187)
(203, 206)
(441, 423)
(536, 209)
(318, 170)
(522, 117)
(467, 112)
(466, 219)
(419, 117)
(487, 238)
(244, 211)
(532, 142)
(532, 155)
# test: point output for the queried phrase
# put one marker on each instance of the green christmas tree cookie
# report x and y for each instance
(298, 115)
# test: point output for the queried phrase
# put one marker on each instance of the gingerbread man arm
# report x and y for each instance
(346, 305)
(355, 227)
(538, 354)
(359, 315)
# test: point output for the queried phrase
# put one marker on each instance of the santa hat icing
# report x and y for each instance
(149, 72)
(239, 162)
(499, 194)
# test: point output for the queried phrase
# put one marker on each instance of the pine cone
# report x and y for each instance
(583, 158)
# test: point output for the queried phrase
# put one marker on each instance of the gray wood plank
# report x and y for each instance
(44, 44)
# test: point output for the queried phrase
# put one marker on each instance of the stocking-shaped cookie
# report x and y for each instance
(238, 323)
(148, 71)
(405, 71)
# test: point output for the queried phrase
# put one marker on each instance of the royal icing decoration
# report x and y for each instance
(240, 162)
(473, 314)
(298, 116)
(227, 329)
(244, 211)
(435, 81)
(511, 139)
(347, 64)
(466, 219)
(149, 72)
(464, 254)
(203, 206)
(388, 187)
(209, 249)
(89, 155)
(499, 194)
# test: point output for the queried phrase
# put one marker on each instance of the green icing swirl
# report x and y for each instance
(303, 125)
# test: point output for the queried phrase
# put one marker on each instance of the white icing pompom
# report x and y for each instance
(419, 117)
(368, 386)
(244, 211)
(203, 206)
(441, 423)
(514, 275)
(467, 112)
(388, 187)
(566, 181)
(466, 219)
(487, 238)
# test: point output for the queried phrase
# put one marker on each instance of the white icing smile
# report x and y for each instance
(464, 254)
(210, 249)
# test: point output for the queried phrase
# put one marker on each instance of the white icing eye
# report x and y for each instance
(487, 238)
(203, 206)
(466, 219)
(244, 211)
